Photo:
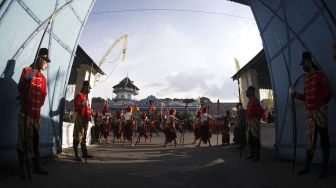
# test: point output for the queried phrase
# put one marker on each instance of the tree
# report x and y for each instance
(187, 101)
(205, 100)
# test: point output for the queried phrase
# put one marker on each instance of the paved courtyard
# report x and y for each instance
(151, 165)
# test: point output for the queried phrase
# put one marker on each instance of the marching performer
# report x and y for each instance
(117, 127)
(129, 126)
(143, 127)
(105, 126)
(197, 126)
(170, 131)
(205, 131)
(152, 119)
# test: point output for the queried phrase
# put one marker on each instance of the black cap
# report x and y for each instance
(251, 88)
(86, 83)
(306, 56)
(43, 53)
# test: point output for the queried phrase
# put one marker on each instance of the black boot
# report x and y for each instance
(257, 154)
(75, 147)
(21, 163)
(85, 153)
(323, 173)
(306, 168)
(257, 149)
(38, 170)
(252, 153)
(37, 167)
(252, 146)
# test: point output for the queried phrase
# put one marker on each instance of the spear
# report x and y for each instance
(292, 102)
(329, 11)
(58, 145)
(240, 101)
(87, 98)
(218, 116)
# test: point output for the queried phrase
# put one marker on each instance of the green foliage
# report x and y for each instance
(98, 100)
(205, 100)
(188, 100)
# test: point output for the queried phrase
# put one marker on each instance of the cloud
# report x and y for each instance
(195, 83)
(172, 56)
(186, 81)
(153, 85)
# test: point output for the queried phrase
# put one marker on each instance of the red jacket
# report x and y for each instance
(253, 108)
(32, 101)
(316, 91)
(105, 108)
(84, 111)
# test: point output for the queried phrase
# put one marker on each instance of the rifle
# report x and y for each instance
(216, 120)
(86, 128)
(58, 145)
(217, 133)
(329, 11)
(292, 102)
(239, 116)
(182, 133)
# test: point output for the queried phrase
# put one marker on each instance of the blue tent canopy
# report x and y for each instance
(22, 23)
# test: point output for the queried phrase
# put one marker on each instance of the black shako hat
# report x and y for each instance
(251, 88)
(306, 56)
(86, 83)
(44, 54)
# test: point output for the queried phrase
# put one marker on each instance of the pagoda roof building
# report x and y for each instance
(126, 91)
(126, 83)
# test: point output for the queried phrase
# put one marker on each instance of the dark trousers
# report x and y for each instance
(325, 147)
(36, 152)
(255, 145)
(83, 145)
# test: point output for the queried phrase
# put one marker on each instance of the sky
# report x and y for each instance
(172, 53)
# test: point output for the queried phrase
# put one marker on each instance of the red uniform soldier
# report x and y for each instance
(32, 92)
(253, 116)
(316, 96)
(83, 116)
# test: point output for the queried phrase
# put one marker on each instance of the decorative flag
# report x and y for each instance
(241, 98)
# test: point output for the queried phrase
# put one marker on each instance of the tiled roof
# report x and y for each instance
(127, 83)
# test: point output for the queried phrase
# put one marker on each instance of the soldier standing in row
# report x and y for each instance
(32, 93)
(253, 116)
(83, 116)
(316, 96)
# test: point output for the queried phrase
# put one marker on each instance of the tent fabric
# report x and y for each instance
(22, 23)
(287, 29)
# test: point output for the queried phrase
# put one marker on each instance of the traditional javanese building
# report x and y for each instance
(125, 92)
